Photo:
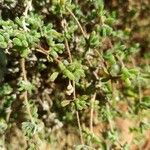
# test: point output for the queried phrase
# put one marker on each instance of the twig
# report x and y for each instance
(68, 50)
(72, 14)
(25, 94)
(23, 69)
(77, 115)
(74, 87)
(9, 111)
(64, 23)
(41, 51)
(92, 111)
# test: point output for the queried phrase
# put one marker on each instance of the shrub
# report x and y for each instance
(65, 68)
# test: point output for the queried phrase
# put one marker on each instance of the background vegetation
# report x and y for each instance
(74, 75)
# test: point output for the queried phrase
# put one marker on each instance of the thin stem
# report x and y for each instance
(64, 23)
(25, 94)
(68, 50)
(78, 23)
(74, 87)
(23, 69)
(74, 93)
(77, 115)
(8, 114)
(92, 112)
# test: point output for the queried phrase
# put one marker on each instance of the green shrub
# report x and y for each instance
(65, 64)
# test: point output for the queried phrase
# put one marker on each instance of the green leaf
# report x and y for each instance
(69, 74)
(103, 32)
(61, 66)
(134, 71)
(78, 74)
(54, 76)
(128, 82)
(29, 128)
(24, 43)
(94, 39)
(24, 52)
(110, 57)
(54, 53)
(125, 73)
(26, 86)
(3, 45)
(145, 103)
(21, 36)
(2, 39)
(6, 36)
(99, 4)
(6, 89)
(81, 102)
(3, 126)
(65, 103)
(17, 42)
(106, 30)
